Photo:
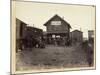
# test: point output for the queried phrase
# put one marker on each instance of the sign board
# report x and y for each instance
(55, 22)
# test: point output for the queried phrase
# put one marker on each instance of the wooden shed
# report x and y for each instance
(76, 36)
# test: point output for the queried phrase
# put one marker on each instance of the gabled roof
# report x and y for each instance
(90, 30)
(21, 21)
(77, 31)
(33, 28)
(58, 17)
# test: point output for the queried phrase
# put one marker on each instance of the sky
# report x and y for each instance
(36, 14)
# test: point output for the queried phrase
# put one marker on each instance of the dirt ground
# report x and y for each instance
(51, 57)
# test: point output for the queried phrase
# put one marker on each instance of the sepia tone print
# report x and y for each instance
(52, 37)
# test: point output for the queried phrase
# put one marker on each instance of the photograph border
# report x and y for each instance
(13, 43)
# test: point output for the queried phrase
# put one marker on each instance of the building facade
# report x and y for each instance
(20, 29)
(58, 30)
(91, 36)
(33, 32)
(20, 32)
(27, 36)
(76, 36)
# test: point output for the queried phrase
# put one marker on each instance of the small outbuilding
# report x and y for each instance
(76, 36)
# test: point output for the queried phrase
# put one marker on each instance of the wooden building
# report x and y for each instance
(27, 36)
(20, 29)
(34, 32)
(76, 36)
(20, 32)
(91, 35)
(34, 36)
(57, 30)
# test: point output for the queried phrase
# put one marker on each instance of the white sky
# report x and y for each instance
(79, 17)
